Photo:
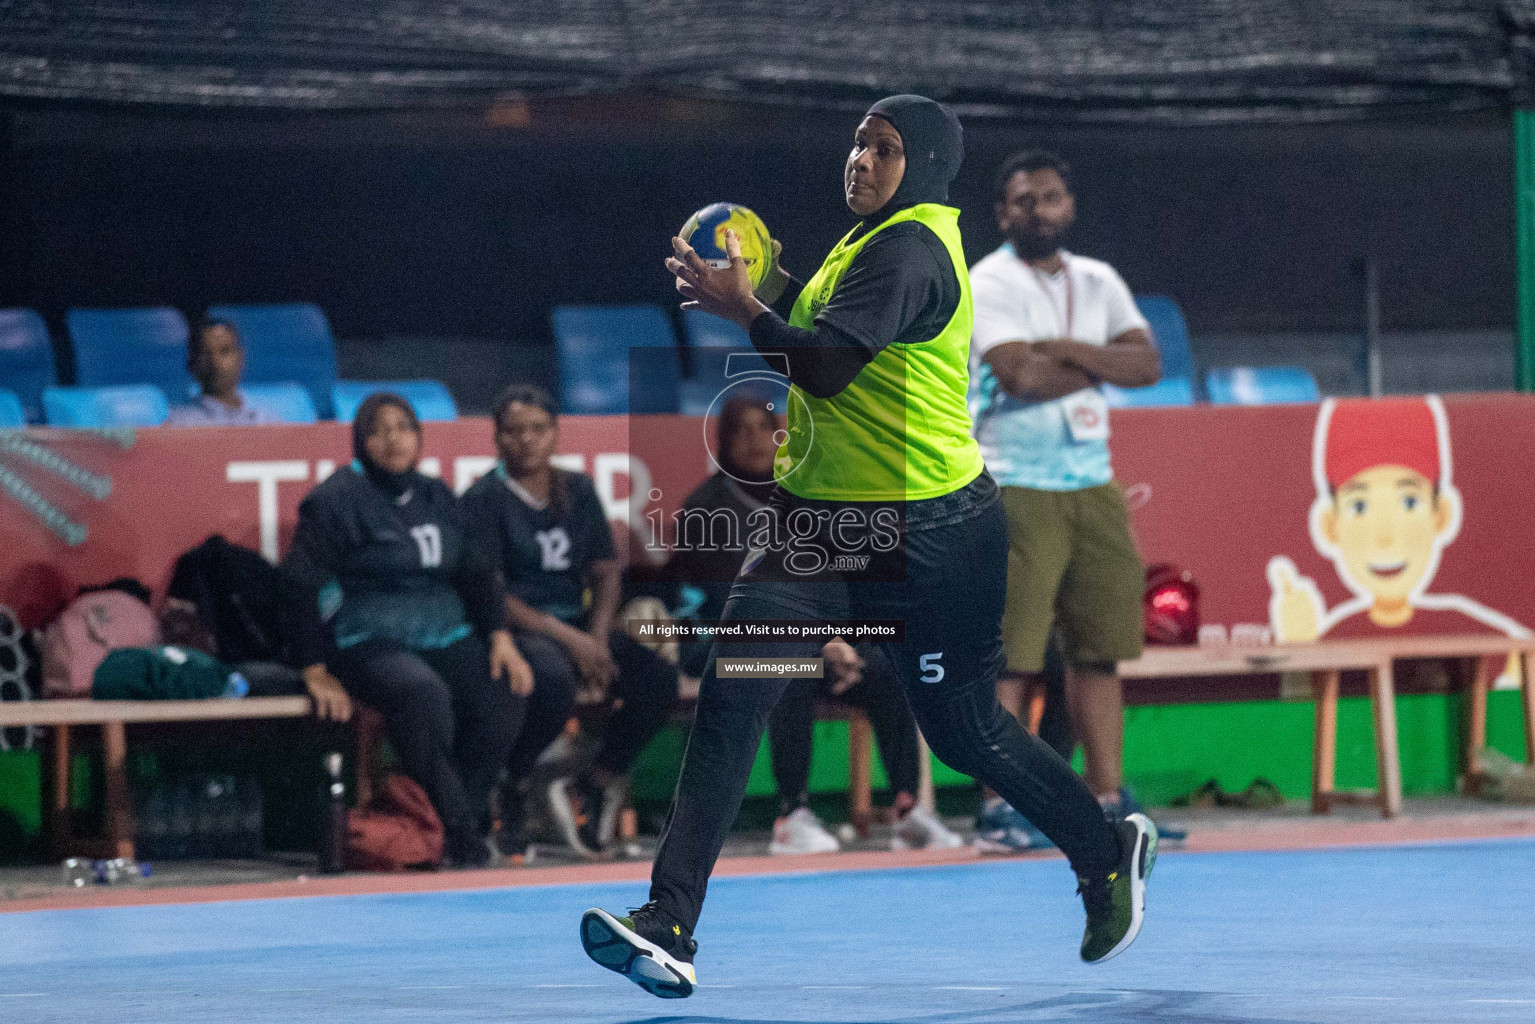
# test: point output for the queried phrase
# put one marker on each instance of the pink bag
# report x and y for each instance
(77, 641)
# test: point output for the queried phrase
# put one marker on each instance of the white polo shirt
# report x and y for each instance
(1062, 444)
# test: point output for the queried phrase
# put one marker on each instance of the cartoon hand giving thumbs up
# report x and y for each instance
(1295, 604)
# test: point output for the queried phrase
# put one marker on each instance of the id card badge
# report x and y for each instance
(1087, 415)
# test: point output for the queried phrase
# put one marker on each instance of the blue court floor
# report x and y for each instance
(1435, 934)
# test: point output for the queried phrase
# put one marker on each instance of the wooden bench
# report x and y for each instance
(113, 716)
(1325, 661)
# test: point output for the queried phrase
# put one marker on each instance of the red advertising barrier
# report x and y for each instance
(1341, 519)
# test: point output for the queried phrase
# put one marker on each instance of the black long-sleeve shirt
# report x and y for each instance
(901, 287)
(368, 564)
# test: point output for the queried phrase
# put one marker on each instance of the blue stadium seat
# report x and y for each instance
(284, 401)
(715, 369)
(429, 398)
(597, 346)
(705, 330)
(145, 345)
(1171, 333)
(26, 359)
(1261, 385)
(127, 405)
(11, 412)
(286, 342)
(1167, 391)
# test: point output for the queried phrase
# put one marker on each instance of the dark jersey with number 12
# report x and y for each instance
(544, 552)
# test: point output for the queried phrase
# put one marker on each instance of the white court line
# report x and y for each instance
(564, 986)
(1373, 999)
(837, 988)
(424, 988)
(21, 995)
(1505, 1002)
(970, 988)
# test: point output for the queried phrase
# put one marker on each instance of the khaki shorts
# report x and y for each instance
(1071, 563)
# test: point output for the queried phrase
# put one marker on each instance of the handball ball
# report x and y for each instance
(705, 232)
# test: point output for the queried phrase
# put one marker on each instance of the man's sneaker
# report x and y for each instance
(801, 832)
(646, 947)
(921, 829)
(1000, 830)
(1116, 902)
(1127, 805)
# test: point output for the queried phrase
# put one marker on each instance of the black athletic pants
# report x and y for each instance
(450, 723)
(946, 580)
(878, 694)
(646, 685)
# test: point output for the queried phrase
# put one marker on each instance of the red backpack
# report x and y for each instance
(400, 830)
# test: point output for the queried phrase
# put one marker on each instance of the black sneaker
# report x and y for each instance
(1116, 902)
(646, 947)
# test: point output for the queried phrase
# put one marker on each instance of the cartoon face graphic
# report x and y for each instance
(1385, 510)
(1386, 525)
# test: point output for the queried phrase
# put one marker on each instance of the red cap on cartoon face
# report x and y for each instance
(1382, 432)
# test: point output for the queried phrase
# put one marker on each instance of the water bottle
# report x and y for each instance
(333, 833)
(120, 870)
(78, 872)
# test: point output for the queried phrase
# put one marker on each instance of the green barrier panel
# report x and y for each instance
(1524, 243)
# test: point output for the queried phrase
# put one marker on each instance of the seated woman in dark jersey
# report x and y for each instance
(708, 559)
(389, 605)
(546, 529)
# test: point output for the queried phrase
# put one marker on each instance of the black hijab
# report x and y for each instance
(934, 144)
(362, 425)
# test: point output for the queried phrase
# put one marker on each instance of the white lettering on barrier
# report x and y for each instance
(266, 476)
(607, 468)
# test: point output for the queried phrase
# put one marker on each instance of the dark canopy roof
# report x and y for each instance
(1126, 60)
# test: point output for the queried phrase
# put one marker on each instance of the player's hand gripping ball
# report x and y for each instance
(705, 232)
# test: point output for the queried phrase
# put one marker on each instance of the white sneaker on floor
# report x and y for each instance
(801, 832)
(921, 829)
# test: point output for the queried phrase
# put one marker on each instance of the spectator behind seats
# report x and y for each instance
(709, 550)
(546, 529)
(216, 360)
(384, 592)
(286, 343)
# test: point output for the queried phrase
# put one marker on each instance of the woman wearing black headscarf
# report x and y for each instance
(885, 512)
(388, 604)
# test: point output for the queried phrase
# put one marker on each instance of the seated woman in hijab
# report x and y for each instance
(389, 605)
(860, 675)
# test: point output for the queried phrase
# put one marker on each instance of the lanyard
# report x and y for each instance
(1044, 286)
